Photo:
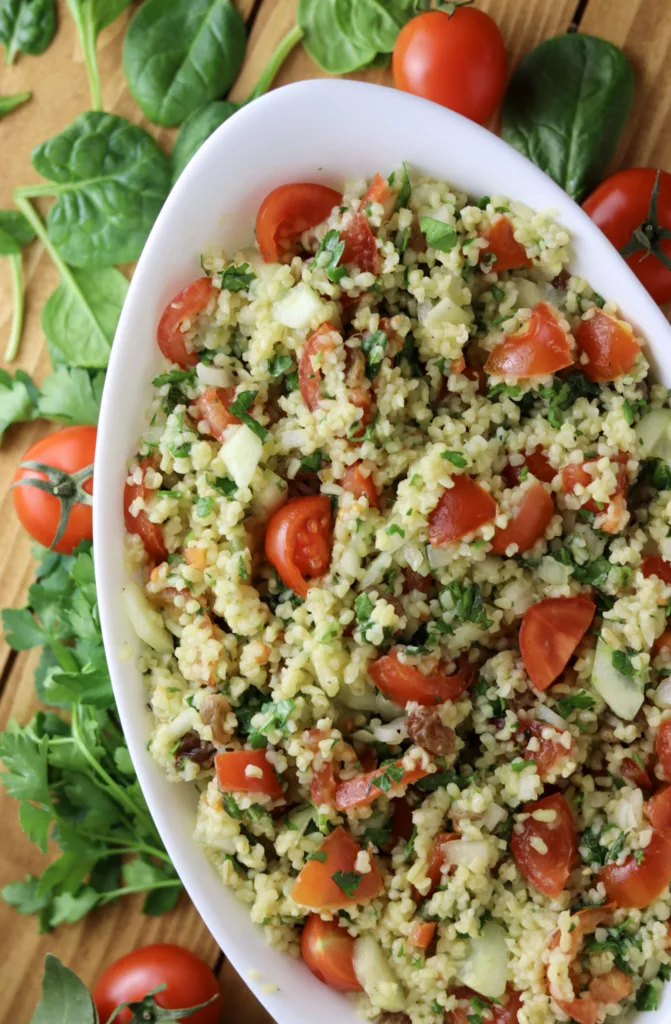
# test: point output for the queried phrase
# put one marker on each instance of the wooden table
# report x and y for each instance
(60, 93)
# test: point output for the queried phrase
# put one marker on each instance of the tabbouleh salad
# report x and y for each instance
(402, 515)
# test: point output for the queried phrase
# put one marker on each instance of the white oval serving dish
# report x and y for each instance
(324, 131)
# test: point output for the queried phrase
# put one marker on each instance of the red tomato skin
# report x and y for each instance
(186, 305)
(360, 485)
(538, 465)
(361, 790)
(541, 347)
(530, 521)
(188, 979)
(575, 474)
(457, 60)
(501, 241)
(402, 683)
(286, 213)
(327, 949)
(360, 245)
(547, 872)
(550, 632)
(230, 768)
(462, 508)
(653, 565)
(550, 751)
(150, 533)
(633, 771)
(315, 887)
(283, 540)
(658, 808)
(619, 205)
(309, 375)
(663, 746)
(422, 933)
(70, 449)
(378, 191)
(609, 345)
(211, 408)
(635, 885)
(437, 857)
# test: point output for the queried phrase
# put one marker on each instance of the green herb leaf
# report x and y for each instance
(347, 881)
(403, 197)
(648, 997)
(71, 395)
(318, 855)
(580, 701)
(196, 130)
(26, 26)
(329, 254)
(15, 231)
(279, 365)
(312, 463)
(243, 402)
(455, 458)
(276, 717)
(468, 603)
(237, 279)
(438, 235)
(65, 998)
(343, 37)
(374, 346)
(622, 662)
(18, 398)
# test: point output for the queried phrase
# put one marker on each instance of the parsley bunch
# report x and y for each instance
(70, 768)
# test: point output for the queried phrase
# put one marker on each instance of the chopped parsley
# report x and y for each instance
(403, 197)
(374, 346)
(312, 463)
(329, 254)
(468, 603)
(347, 881)
(203, 507)
(438, 234)
(175, 377)
(240, 407)
(439, 780)
(394, 528)
(224, 485)
(393, 773)
(319, 855)
(647, 997)
(580, 701)
(237, 279)
(276, 718)
(455, 458)
(377, 836)
(363, 607)
(279, 365)
(622, 662)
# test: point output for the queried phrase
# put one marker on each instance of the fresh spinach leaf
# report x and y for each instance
(197, 129)
(345, 35)
(91, 17)
(26, 26)
(179, 56)
(80, 317)
(110, 180)
(566, 107)
(11, 102)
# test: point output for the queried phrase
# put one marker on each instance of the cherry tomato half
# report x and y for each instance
(538, 465)
(658, 808)
(188, 981)
(550, 632)
(462, 508)
(575, 473)
(363, 789)
(530, 520)
(186, 306)
(309, 371)
(150, 533)
(501, 1012)
(549, 751)
(211, 409)
(637, 885)
(402, 683)
(635, 773)
(622, 207)
(71, 451)
(298, 541)
(502, 244)
(231, 768)
(653, 565)
(663, 746)
(541, 347)
(548, 871)
(457, 60)
(316, 887)
(286, 213)
(434, 867)
(328, 949)
(610, 347)
(360, 485)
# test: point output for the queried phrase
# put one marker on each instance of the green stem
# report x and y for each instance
(17, 308)
(276, 61)
(133, 847)
(88, 41)
(128, 889)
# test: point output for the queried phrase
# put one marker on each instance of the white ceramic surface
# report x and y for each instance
(322, 131)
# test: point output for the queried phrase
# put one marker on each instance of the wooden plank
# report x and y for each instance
(642, 28)
(241, 1004)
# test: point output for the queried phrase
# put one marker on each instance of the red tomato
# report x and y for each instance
(403, 683)
(501, 242)
(150, 533)
(502, 1012)
(309, 372)
(575, 473)
(463, 508)
(620, 206)
(72, 452)
(421, 934)
(327, 949)
(658, 808)
(316, 887)
(360, 485)
(662, 643)
(232, 776)
(211, 408)
(609, 345)
(663, 746)
(529, 522)
(538, 465)
(286, 213)
(378, 192)
(186, 305)
(362, 790)
(437, 857)
(188, 981)
(551, 750)
(635, 773)
(298, 541)
(322, 784)
(360, 245)
(653, 565)
(457, 60)
(547, 872)
(550, 632)
(637, 885)
(541, 347)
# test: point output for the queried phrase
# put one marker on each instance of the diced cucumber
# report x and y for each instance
(375, 975)
(486, 969)
(145, 620)
(269, 494)
(654, 433)
(240, 453)
(299, 307)
(623, 695)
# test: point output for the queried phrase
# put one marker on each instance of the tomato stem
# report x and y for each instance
(451, 6)
(648, 235)
(67, 487)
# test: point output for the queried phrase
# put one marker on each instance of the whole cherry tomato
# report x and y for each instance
(633, 209)
(58, 515)
(457, 60)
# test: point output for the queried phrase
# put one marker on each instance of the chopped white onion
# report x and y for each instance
(439, 557)
(629, 809)
(663, 693)
(392, 732)
(492, 817)
(376, 570)
(414, 557)
(299, 307)
(466, 851)
(214, 376)
(546, 714)
(292, 438)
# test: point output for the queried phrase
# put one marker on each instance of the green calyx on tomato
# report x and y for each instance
(66, 487)
(147, 1010)
(450, 7)
(648, 235)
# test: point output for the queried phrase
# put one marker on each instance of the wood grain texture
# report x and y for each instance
(60, 93)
